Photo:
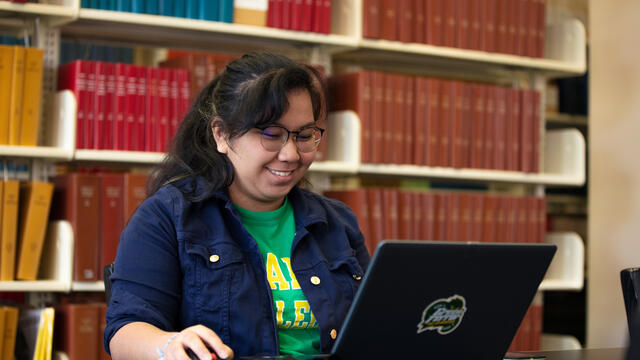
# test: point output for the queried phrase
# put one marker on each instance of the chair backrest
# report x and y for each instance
(107, 271)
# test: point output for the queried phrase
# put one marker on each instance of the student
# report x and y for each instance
(228, 251)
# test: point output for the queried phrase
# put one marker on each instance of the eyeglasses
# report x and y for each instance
(274, 137)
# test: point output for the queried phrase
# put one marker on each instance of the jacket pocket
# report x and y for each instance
(348, 273)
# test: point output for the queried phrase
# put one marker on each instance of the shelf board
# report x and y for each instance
(567, 119)
(55, 14)
(333, 167)
(181, 32)
(35, 286)
(112, 156)
(46, 152)
(93, 286)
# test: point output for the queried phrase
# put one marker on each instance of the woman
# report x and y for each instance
(228, 252)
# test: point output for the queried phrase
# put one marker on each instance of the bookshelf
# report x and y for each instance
(54, 14)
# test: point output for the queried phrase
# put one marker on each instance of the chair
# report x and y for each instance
(107, 271)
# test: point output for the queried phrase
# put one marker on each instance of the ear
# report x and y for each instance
(219, 135)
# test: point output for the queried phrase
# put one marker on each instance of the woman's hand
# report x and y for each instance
(199, 339)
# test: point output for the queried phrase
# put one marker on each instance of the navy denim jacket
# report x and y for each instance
(166, 273)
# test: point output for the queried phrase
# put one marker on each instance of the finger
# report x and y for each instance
(213, 340)
(188, 339)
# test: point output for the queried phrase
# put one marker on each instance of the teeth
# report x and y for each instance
(280, 173)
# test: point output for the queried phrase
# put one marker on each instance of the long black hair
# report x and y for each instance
(251, 92)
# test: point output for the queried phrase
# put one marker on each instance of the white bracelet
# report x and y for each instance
(164, 349)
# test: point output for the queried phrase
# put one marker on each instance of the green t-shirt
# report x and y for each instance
(298, 332)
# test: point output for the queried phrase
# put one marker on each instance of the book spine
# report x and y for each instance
(31, 98)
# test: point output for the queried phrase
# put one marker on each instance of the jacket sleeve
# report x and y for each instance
(147, 280)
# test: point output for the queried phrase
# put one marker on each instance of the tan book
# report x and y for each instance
(6, 89)
(10, 332)
(3, 315)
(35, 202)
(15, 106)
(250, 12)
(31, 97)
(9, 221)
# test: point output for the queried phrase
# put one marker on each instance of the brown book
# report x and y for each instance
(405, 215)
(376, 220)
(417, 215)
(511, 219)
(102, 321)
(502, 26)
(433, 132)
(467, 123)
(10, 198)
(542, 219)
(389, 27)
(501, 218)
(399, 119)
(499, 144)
(532, 28)
(488, 40)
(135, 193)
(526, 130)
(419, 22)
(512, 26)
(452, 221)
(535, 138)
(77, 330)
(489, 218)
(377, 119)
(356, 199)
(441, 213)
(456, 126)
(463, 23)
(490, 126)
(477, 220)
(111, 217)
(450, 23)
(434, 17)
(390, 214)
(3, 315)
(371, 19)
(77, 200)
(428, 208)
(522, 24)
(35, 202)
(476, 26)
(536, 329)
(353, 92)
(465, 217)
(420, 112)
(478, 127)
(522, 230)
(10, 331)
(512, 144)
(409, 119)
(541, 16)
(532, 219)
(404, 14)
(388, 124)
(445, 122)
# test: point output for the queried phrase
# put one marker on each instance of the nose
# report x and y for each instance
(289, 151)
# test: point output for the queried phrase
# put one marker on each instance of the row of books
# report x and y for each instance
(73, 50)
(8, 330)
(98, 206)
(20, 91)
(529, 333)
(125, 107)
(12, 40)
(24, 211)
(439, 122)
(79, 328)
(390, 213)
(34, 339)
(212, 10)
(503, 26)
(300, 15)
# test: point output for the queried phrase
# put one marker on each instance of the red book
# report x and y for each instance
(404, 14)
(73, 76)
(536, 330)
(419, 21)
(77, 199)
(465, 218)
(502, 26)
(142, 97)
(152, 109)
(512, 26)
(536, 119)
(522, 229)
(371, 19)
(89, 101)
(316, 23)
(287, 7)
(522, 25)
(120, 106)
(456, 134)
(77, 330)
(463, 23)
(387, 120)
(445, 122)
(356, 199)
(409, 119)
(428, 208)
(542, 219)
(433, 123)
(132, 103)
(441, 213)
(421, 115)
(307, 15)
(434, 18)
(526, 130)
(111, 216)
(296, 15)
(390, 213)
(326, 17)
(541, 16)
(532, 219)
(388, 17)
(512, 143)
(162, 125)
(100, 106)
(489, 218)
(452, 220)
(353, 92)
(467, 122)
(102, 321)
(450, 23)
(376, 220)
(174, 104)
(490, 126)
(502, 203)
(417, 215)
(184, 82)
(271, 13)
(405, 215)
(399, 117)
(476, 26)
(477, 219)
(499, 148)
(109, 106)
(135, 193)
(478, 127)
(375, 127)
(488, 40)
(532, 30)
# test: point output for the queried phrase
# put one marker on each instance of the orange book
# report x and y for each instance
(10, 197)
(10, 332)
(3, 315)
(250, 12)
(30, 121)
(35, 202)
(15, 105)
(6, 90)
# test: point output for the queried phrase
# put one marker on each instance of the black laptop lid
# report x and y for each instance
(442, 300)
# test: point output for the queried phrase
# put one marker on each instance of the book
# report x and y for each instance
(111, 216)
(3, 315)
(356, 199)
(10, 331)
(17, 94)
(135, 193)
(6, 90)
(35, 202)
(250, 12)
(30, 121)
(10, 198)
(77, 330)
(77, 200)
(371, 19)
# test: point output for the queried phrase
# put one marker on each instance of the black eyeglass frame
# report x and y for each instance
(294, 132)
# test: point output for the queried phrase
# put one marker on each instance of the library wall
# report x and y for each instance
(614, 194)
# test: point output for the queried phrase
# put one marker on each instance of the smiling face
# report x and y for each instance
(263, 178)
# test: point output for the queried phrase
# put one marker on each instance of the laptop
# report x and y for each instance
(441, 300)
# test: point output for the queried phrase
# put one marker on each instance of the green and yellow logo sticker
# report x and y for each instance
(443, 315)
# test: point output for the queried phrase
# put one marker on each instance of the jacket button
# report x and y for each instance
(357, 277)
(315, 280)
(333, 334)
(214, 258)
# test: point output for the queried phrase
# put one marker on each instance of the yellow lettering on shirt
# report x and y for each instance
(274, 274)
(279, 311)
(314, 323)
(302, 308)
(294, 282)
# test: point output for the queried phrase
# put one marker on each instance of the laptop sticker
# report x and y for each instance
(443, 315)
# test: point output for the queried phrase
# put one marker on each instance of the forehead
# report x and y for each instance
(300, 111)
